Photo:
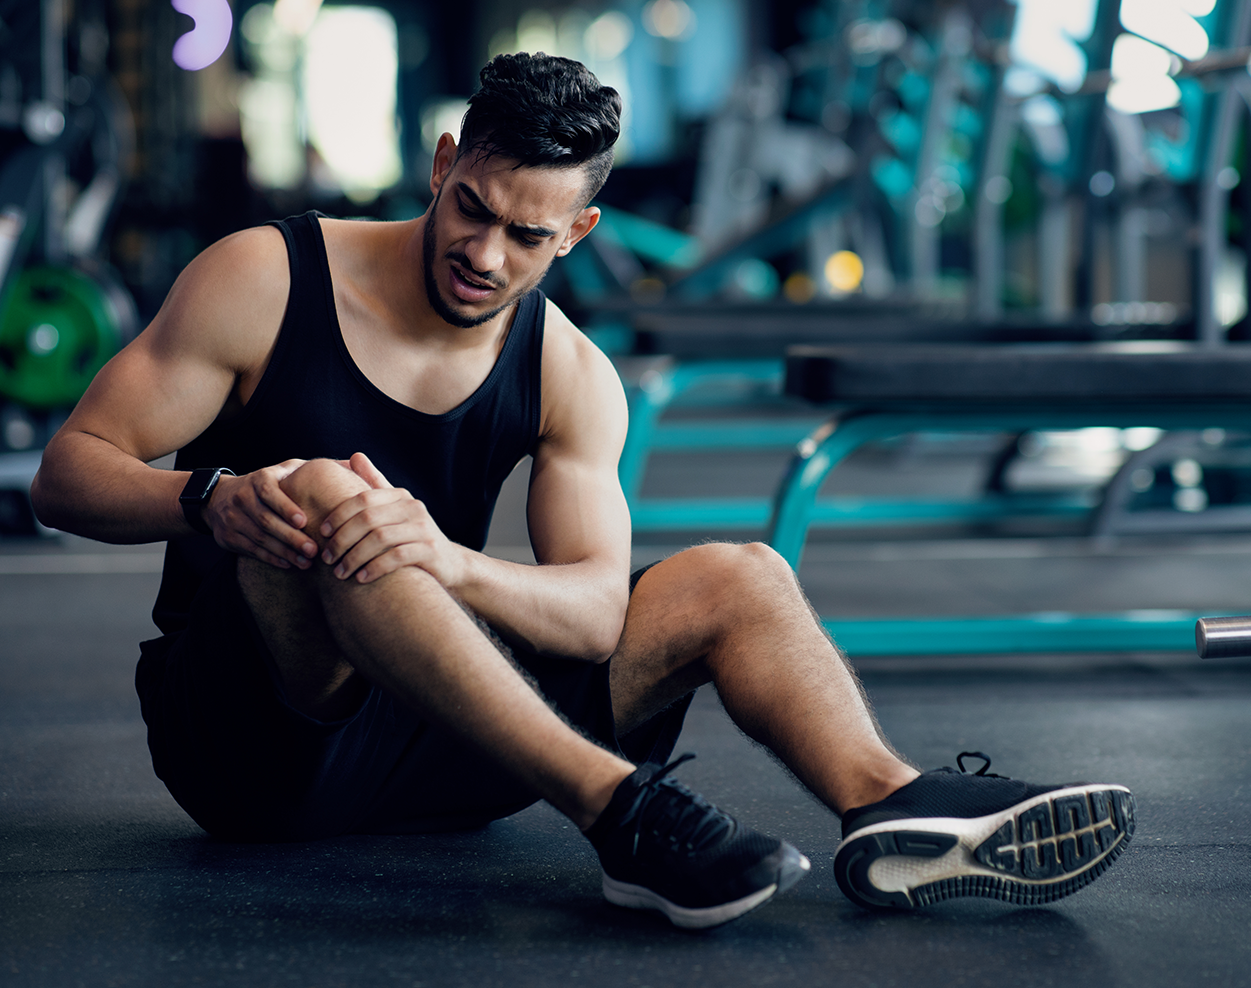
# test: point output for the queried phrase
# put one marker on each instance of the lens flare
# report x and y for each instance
(844, 271)
(203, 44)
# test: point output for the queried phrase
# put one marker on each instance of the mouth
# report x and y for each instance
(467, 287)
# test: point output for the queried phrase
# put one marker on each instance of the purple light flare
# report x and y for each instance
(203, 44)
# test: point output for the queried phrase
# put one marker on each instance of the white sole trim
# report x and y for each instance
(639, 897)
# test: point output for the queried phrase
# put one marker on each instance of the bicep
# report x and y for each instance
(577, 510)
(169, 384)
(151, 399)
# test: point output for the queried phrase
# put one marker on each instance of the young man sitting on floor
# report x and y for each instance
(338, 655)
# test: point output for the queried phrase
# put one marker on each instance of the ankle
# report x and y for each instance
(597, 795)
(874, 785)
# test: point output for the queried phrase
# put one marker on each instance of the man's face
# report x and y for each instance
(494, 230)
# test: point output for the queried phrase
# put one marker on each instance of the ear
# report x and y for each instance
(583, 225)
(444, 158)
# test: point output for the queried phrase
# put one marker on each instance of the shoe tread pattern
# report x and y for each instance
(1045, 852)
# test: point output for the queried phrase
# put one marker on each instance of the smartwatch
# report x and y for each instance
(197, 493)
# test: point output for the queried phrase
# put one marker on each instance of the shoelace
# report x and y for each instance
(696, 823)
(981, 771)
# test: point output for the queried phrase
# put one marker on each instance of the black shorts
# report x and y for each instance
(247, 766)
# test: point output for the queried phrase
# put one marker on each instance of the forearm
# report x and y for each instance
(89, 487)
(575, 610)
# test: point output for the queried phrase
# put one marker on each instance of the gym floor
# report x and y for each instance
(104, 880)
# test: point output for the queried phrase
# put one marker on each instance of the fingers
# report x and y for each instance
(381, 552)
(356, 505)
(280, 505)
(253, 516)
(363, 467)
(382, 530)
(353, 530)
(267, 486)
(372, 533)
(277, 498)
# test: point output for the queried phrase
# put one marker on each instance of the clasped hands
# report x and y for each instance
(368, 535)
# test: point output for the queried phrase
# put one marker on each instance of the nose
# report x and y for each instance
(485, 249)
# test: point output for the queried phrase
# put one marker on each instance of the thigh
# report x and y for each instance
(246, 764)
(692, 612)
(233, 751)
(288, 614)
(288, 604)
(659, 657)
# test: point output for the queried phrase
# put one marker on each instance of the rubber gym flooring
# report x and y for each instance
(104, 881)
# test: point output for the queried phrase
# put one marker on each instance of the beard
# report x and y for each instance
(441, 306)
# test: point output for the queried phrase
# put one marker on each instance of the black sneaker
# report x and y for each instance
(664, 847)
(948, 834)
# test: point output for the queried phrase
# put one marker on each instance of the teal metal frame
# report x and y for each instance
(661, 387)
(1049, 631)
(657, 390)
(796, 509)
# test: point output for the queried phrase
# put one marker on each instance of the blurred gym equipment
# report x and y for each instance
(63, 312)
(878, 392)
(920, 94)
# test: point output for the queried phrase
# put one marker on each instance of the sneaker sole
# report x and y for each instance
(1036, 851)
(792, 867)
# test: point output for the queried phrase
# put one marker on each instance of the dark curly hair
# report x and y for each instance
(543, 111)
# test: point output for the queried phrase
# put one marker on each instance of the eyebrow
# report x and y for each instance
(477, 203)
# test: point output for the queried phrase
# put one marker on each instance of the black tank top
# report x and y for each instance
(313, 401)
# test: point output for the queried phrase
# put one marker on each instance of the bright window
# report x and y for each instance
(325, 78)
(349, 85)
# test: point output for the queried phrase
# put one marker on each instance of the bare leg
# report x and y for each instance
(407, 634)
(734, 615)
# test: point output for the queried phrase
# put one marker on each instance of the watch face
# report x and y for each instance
(199, 486)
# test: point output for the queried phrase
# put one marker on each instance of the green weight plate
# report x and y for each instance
(57, 330)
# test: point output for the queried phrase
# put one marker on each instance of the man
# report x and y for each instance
(340, 656)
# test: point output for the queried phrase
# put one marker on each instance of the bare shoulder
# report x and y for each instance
(215, 331)
(229, 302)
(568, 354)
(352, 232)
(582, 391)
(362, 249)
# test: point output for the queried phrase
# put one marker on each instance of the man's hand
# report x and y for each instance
(252, 516)
(385, 528)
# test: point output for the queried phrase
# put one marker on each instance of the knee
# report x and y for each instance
(319, 486)
(734, 574)
(763, 562)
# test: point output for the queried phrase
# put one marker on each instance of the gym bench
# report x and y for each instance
(875, 392)
(751, 388)
(677, 372)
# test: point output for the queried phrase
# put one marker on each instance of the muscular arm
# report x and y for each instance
(578, 518)
(213, 333)
(574, 602)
